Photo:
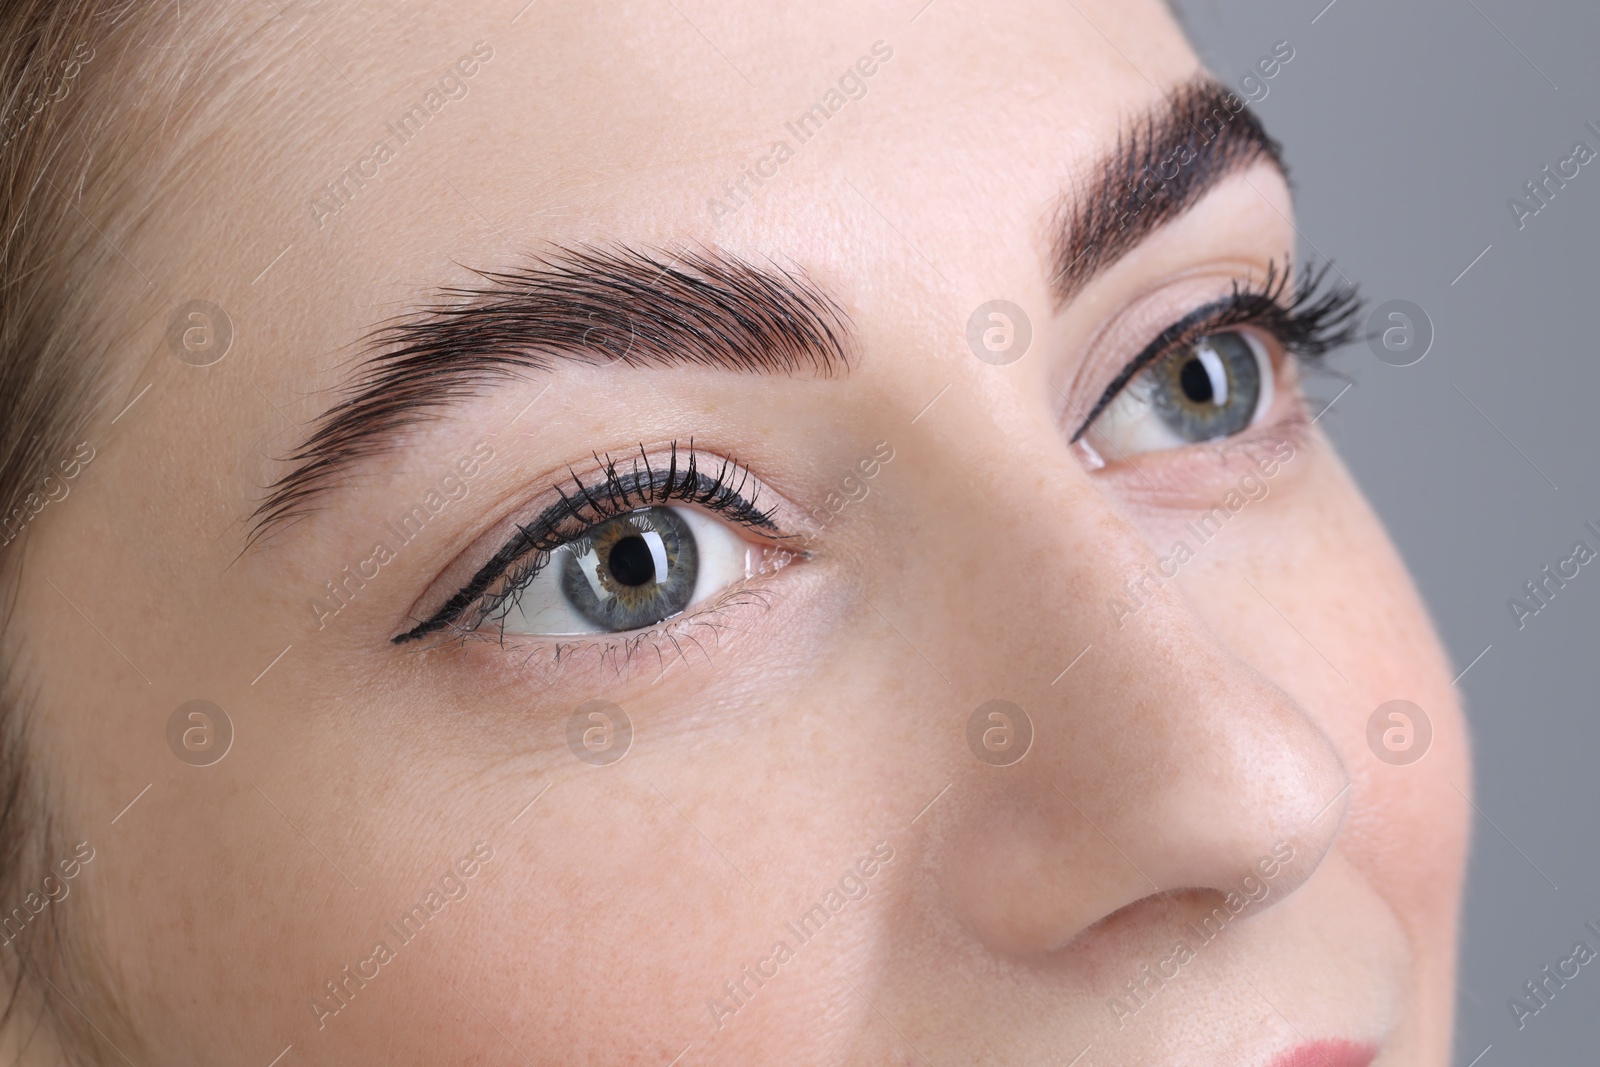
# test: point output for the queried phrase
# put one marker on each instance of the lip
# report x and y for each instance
(1328, 1054)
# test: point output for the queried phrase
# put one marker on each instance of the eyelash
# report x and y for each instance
(585, 505)
(1318, 317)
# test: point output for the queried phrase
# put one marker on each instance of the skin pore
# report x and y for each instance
(781, 735)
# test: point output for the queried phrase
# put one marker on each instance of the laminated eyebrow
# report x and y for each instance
(628, 307)
(1164, 162)
(618, 307)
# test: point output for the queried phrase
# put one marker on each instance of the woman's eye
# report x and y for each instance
(1214, 386)
(629, 572)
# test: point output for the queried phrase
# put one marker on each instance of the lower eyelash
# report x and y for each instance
(682, 627)
(675, 639)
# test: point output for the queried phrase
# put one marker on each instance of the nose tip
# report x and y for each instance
(1226, 795)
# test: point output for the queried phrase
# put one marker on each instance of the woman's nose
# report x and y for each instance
(1161, 763)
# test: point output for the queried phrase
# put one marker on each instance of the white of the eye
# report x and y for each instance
(1265, 372)
(1215, 371)
(725, 557)
(589, 564)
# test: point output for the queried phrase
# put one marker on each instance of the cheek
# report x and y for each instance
(1317, 553)
(688, 885)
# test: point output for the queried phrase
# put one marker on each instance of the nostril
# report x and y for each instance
(1025, 871)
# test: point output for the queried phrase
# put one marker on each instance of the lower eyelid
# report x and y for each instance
(1199, 476)
(695, 637)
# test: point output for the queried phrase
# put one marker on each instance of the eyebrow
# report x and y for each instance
(1164, 162)
(708, 308)
(602, 306)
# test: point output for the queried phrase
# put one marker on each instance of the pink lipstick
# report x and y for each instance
(1328, 1054)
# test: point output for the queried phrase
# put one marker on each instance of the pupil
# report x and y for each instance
(1196, 382)
(631, 563)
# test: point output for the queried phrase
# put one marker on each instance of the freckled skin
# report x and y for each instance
(781, 738)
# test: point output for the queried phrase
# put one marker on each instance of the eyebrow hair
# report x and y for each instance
(592, 305)
(708, 308)
(1164, 162)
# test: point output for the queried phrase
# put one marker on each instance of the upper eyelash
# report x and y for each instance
(525, 555)
(1310, 324)
(1317, 318)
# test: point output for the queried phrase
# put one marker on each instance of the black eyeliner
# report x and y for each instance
(1204, 316)
(584, 506)
(1309, 325)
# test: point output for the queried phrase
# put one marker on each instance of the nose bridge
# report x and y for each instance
(1161, 762)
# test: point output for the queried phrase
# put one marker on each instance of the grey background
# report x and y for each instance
(1407, 127)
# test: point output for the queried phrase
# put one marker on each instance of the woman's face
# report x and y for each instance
(822, 842)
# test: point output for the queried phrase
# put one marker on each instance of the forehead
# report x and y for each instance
(904, 151)
(407, 129)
